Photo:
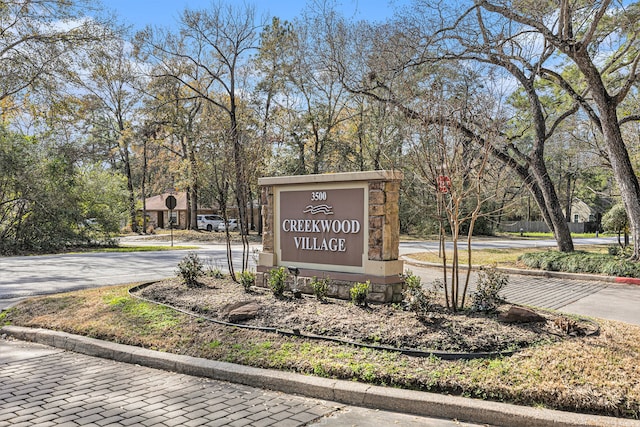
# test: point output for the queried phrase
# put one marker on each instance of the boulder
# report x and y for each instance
(244, 312)
(517, 314)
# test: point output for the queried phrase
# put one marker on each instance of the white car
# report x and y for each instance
(233, 225)
(209, 222)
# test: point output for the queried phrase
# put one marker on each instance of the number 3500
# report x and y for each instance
(318, 195)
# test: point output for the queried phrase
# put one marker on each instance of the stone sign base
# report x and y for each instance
(340, 285)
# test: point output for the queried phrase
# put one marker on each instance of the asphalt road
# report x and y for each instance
(22, 277)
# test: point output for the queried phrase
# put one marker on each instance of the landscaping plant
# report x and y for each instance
(359, 293)
(487, 294)
(247, 279)
(190, 269)
(277, 278)
(320, 288)
(414, 297)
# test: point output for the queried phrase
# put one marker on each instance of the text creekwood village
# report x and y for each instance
(335, 226)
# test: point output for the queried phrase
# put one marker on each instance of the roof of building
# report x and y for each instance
(158, 203)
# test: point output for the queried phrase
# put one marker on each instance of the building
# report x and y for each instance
(159, 215)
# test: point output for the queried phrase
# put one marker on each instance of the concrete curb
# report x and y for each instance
(537, 273)
(346, 392)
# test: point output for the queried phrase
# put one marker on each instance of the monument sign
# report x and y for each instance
(343, 226)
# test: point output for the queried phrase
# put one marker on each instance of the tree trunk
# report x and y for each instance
(554, 217)
(145, 225)
(241, 189)
(194, 189)
(618, 155)
(132, 195)
(626, 179)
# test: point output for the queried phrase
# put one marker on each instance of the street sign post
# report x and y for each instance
(171, 203)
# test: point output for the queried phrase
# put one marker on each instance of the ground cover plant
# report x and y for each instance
(610, 264)
(595, 259)
(604, 379)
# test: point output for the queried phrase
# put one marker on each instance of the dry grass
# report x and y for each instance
(595, 375)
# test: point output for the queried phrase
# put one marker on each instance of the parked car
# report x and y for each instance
(233, 225)
(209, 222)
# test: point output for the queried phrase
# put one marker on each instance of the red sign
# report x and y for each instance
(444, 184)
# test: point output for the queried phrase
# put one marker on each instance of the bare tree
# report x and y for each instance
(214, 44)
(402, 64)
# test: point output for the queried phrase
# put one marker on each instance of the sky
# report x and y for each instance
(165, 13)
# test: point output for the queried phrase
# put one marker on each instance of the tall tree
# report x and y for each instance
(39, 38)
(404, 65)
(216, 44)
(112, 97)
(600, 39)
(176, 116)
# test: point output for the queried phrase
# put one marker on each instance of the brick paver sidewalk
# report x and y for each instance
(62, 388)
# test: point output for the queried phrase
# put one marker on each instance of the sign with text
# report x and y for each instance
(322, 226)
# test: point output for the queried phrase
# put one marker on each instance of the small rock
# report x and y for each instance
(517, 314)
(244, 312)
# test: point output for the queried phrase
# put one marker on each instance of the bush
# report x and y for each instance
(216, 273)
(359, 293)
(277, 277)
(247, 279)
(612, 264)
(213, 270)
(320, 288)
(486, 296)
(190, 269)
(415, 298)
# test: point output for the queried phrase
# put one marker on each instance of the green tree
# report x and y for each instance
(39, 207)
(112, 99)
(616, 220)
(37, 49)
(599, 40)
(103, 195)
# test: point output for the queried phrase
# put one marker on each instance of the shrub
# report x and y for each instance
(247, 280)
(359, 293)
(190, 269)
(277, 277)
(414, 296)
(213, 270)
(612, 264)
(320, 288)
(216, 273)
(486, 296)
